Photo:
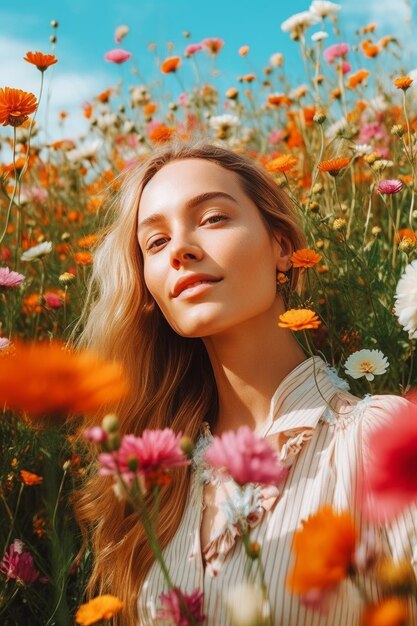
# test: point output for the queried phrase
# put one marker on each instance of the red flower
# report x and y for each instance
(181, 609)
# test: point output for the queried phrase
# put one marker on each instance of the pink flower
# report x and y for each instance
(5, 253)
(177, 607)
(53, 300)
(336, 51)
(192, 48)
(4, 343)
(390, 186)
(390, 477)
(245, 457)
(346, 67)
(96, 434)
(18, 565)
(8, 278)
(276, 136)
(149, 457)
(118, 55)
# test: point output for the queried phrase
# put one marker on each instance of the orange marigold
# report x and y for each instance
(305, 257)
(16, 106)
(403, 82)
(357, 78)
(83, 258)
(170, 64)
(334, 166)
(98, 609)
(299, 319)
(281, 164)
(104, 96)
(29, 478)
(278, 99)
(161, 133)
(369, 49)
(390, 612)
(324, 551)
(88, 241)
(42, 61)
(46, 379)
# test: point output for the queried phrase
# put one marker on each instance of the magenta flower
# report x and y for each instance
(245, 457)
(95, 434)
(118, 55)
(149, 457)
(346, 67)
(390, 477)
(390, 186)
(177, 607)
(192, 48)
(336, 51)
(18, 565)
(8, 278)
(53, 300)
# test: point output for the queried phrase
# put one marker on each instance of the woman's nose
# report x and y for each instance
(183, 253)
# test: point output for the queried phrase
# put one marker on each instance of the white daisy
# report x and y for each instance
(224, 122)
(406, 300)
(368, 363)
(324, 8)
(319, 35)
(299, 22)
(37, 251)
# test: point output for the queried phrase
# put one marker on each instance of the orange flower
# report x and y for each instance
(369, 28)
(83, 258)
(299, 319)
(150, 108)
(161, 133)
(324, 550)
(104, 96)
(281, 164)
(305, 257)
(31, 304)
(98, 609)
(278, 99)
(171, 64)
(384, 41)
(390, 612)
(369, 49)
(405, 233)
(29, 478)
(357, 78)
(88, 241)
(42, 61)
(45, 378)
(87, 110)
(243, 50)
(16, 106)
(403, 82)
(334, 166)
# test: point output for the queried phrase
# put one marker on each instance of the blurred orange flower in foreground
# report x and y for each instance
(29, 478)
(324, 550)
(391, 612)
(98, 609)
(15, 106)
(305, 257)
(42, 61)
(46, 378)
(299, 319)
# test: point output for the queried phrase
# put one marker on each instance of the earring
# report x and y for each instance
(283, 278)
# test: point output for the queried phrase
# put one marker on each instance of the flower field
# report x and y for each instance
(342, 144)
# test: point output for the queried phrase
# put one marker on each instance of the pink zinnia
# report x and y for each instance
(390, 186)
(192, 48)
(245, 457)
(118, 55)
(173, 607)
(390, 477)
(8, 278)
(336, 51)
(156, 451)
(18, 565)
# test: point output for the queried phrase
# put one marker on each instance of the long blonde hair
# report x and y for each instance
(171, 376)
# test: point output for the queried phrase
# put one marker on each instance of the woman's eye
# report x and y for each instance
(213, 219)
(157, 243)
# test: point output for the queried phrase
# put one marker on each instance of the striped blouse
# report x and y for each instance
(325, 448)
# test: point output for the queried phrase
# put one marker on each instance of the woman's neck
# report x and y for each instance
(249, 363)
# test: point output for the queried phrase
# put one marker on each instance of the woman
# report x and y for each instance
(185, 293)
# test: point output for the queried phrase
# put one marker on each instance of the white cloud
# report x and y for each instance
(63, 90)
(385, 13)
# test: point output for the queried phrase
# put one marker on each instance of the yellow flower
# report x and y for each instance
(305, 257)
(403, 82)
(299, 319)
(98, 609)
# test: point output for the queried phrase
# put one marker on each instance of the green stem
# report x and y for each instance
(19, 497)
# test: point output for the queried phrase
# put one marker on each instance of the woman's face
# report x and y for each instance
(209, 261)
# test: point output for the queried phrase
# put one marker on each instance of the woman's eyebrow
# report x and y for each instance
(190, 204)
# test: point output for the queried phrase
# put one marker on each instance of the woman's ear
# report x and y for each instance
(284, 250)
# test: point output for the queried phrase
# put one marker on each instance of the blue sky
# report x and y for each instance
(86, 30)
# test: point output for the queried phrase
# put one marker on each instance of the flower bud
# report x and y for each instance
(66, 278)
(254, 550)
(319, 117)
(65, 236)
(339, 224)
(110, 423)
(376, 230)
(66, 465)
(133, 463)
(407, 245)
(187, 446)
(396, 578)
(54, 24)
(112, 442)
(398, 130)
